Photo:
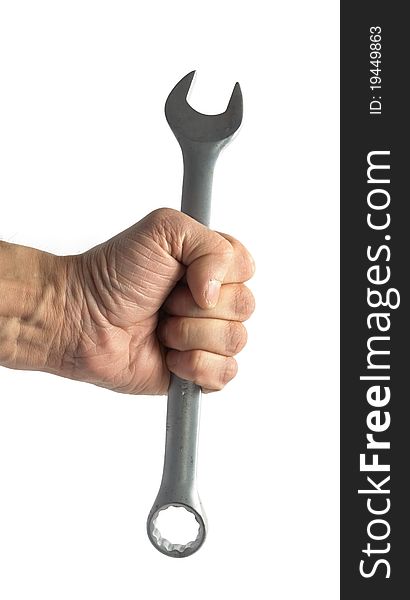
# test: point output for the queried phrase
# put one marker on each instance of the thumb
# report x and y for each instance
(206, 273)
(206, 254)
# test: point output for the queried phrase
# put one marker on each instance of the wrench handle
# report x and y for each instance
(184, 397)
(199, 164)
(178, 485)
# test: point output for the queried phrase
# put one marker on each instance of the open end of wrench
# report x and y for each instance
(189, 124)
(166, 546)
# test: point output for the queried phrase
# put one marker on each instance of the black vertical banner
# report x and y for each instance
(375, 305)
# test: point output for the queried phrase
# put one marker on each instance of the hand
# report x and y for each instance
(166, 295)
(130, 321)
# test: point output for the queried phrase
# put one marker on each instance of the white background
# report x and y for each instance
(85, 151)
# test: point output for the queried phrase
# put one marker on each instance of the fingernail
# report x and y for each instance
(212, 292)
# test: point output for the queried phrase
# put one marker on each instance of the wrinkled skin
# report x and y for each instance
(166, 295)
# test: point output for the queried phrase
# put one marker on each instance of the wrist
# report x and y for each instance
(33, 292)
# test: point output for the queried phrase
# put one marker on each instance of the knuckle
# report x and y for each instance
(243, 302)
(218, 386)
(251, 265)
(211, 376)
(219, 380)
(224, 247)
(163, 214)
(228, 250)
(229, 371)
(236, 337)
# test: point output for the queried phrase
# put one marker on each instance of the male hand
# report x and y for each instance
(166, 295)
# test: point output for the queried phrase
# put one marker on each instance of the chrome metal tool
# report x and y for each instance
(201, 138)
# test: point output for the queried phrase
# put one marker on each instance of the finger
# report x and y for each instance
(243, 267)
(213, 335)
(210, 371)
(236, 303)
(210, 257)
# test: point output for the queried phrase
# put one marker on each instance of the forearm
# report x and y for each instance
(52, 318)
(32, 308)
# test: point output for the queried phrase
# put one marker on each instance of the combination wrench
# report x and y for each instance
(201, 138)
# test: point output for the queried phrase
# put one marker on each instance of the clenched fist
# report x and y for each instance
(166, 295)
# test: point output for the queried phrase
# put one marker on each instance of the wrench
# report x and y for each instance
(201, 138)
